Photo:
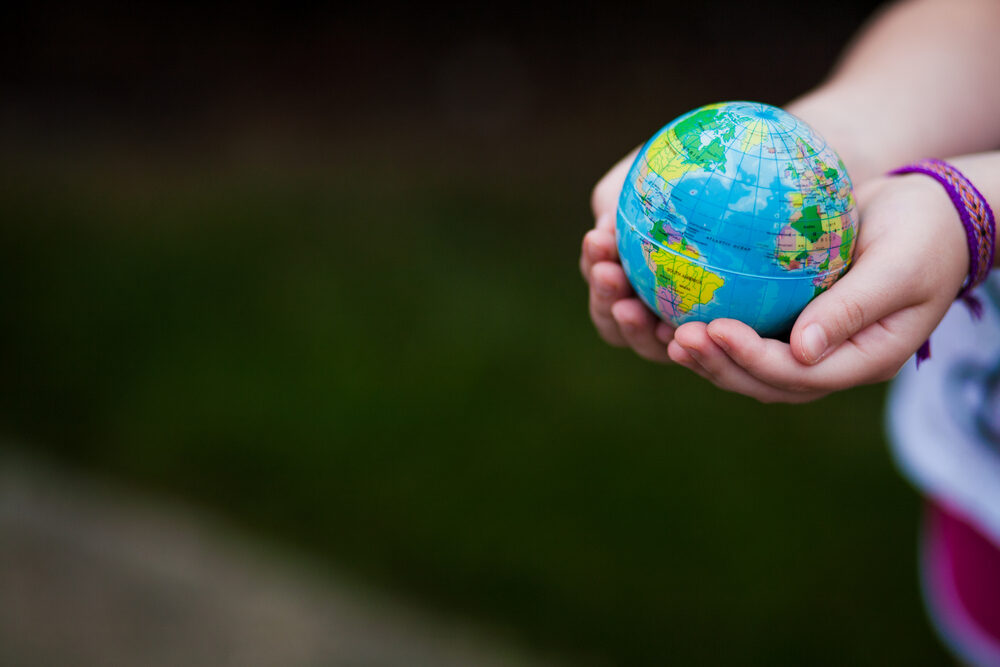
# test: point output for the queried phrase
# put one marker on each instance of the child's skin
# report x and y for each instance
(923, 80)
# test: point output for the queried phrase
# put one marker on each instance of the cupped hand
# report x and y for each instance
(910, 261)
(621, 319)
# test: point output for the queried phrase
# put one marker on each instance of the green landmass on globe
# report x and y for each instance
(736, 209)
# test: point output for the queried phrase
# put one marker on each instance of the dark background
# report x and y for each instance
(316, 270)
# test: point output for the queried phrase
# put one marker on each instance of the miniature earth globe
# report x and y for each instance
(738, 210)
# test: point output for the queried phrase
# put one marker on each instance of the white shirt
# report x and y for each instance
(944, 420)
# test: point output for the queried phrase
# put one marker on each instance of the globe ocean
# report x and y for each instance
(738, 210)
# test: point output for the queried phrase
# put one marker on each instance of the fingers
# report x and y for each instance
(714, 364)
(870, 291)
(608, 284)
(623, 320)
(620, 319)
(638, 327)
(682, 357)
(598, 246)
(773, 363)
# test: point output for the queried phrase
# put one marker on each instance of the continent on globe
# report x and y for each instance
(736, 209)
(681, 283)
(810, 234)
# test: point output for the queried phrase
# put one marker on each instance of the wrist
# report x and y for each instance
(976, 218)
(949, 267)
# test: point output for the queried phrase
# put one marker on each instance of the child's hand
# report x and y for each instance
(620, 318)
(910, 261)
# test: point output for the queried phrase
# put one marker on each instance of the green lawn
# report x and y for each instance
(401, 377)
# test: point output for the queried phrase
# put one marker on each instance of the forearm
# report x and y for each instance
(921, 80)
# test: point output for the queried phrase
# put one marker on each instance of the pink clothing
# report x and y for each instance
(961, 579)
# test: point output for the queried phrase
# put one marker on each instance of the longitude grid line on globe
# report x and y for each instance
(739, 167)
(679, 154)
(757, 186)
(788, 151)
(698, 202)
(734, 181)
(811, 133)
(753, 214)
(760, 161)
(789, 157)
(726, 209)
(839, 183)
(701, 203)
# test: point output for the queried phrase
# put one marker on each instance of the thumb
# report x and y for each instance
(864, 295)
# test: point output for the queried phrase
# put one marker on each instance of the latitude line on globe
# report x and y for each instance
(709, 266)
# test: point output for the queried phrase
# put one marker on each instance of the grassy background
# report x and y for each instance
(415, 393)
(322, 277)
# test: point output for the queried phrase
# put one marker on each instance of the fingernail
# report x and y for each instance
(693, 352)
(604, 289)
(814, 342)
(721, 342)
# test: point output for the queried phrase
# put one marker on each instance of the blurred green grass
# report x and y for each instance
(400, 376)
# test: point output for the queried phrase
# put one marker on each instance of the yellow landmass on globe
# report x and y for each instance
(686, 284)
(695, 143)
(666, 161)
(755, 136)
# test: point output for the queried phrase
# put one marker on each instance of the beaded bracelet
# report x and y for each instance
(980, 229)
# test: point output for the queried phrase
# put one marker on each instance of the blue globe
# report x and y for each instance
(739, 210)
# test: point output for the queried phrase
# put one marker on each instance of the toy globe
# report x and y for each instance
(739, 210)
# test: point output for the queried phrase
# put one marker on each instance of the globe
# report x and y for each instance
(736, 209)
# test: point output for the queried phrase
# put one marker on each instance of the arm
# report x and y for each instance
(923, 79)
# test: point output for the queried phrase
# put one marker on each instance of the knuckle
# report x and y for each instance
(850, 315)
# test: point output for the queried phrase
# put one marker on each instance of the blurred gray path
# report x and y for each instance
(93, 575)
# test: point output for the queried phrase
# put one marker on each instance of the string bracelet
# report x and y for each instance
(980, 229)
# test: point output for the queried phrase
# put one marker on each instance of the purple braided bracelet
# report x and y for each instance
(980, 229)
